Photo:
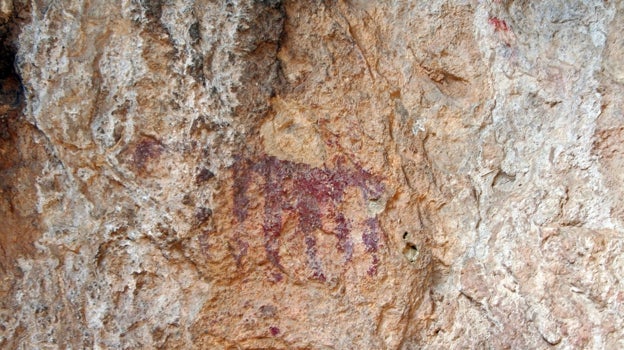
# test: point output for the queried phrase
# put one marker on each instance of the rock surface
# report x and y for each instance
(311, 174)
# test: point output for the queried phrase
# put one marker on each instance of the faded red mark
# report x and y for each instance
(372, 270)
(499, 24)
(342, 233)
(203, 242)
(238, 249)
(312, 195)
(276, 277)
(274, 331)
(146, 149)
(371, 237)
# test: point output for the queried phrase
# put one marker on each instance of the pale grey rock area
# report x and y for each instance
(244, 174)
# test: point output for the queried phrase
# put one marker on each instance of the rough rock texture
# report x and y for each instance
(311, 174)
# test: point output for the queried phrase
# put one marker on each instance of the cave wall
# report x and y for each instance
(311, 174)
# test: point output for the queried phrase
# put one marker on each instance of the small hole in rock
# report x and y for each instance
(410, 252)
(405, 235)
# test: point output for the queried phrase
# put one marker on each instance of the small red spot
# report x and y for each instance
(274, 331)
(499, 24)
(276, 277)
(372, 270)
(146, 149)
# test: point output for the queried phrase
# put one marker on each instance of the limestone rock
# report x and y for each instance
(311, 174)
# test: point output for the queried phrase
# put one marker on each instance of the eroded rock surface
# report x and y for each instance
(311, 174)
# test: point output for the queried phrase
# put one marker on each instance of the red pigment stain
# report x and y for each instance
(239, 251)
(343, 228)
(276, 277)
(305, 190)
(146, 149)
(274, 331)
(372, 270)
(370, 237)
(499, 24)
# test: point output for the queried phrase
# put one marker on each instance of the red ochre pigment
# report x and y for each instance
(312, 195)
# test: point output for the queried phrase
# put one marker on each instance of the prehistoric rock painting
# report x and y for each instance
(310, 198)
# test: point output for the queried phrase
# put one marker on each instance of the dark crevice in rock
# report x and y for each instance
(11, 90)
(153, 8)
(19, 156)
